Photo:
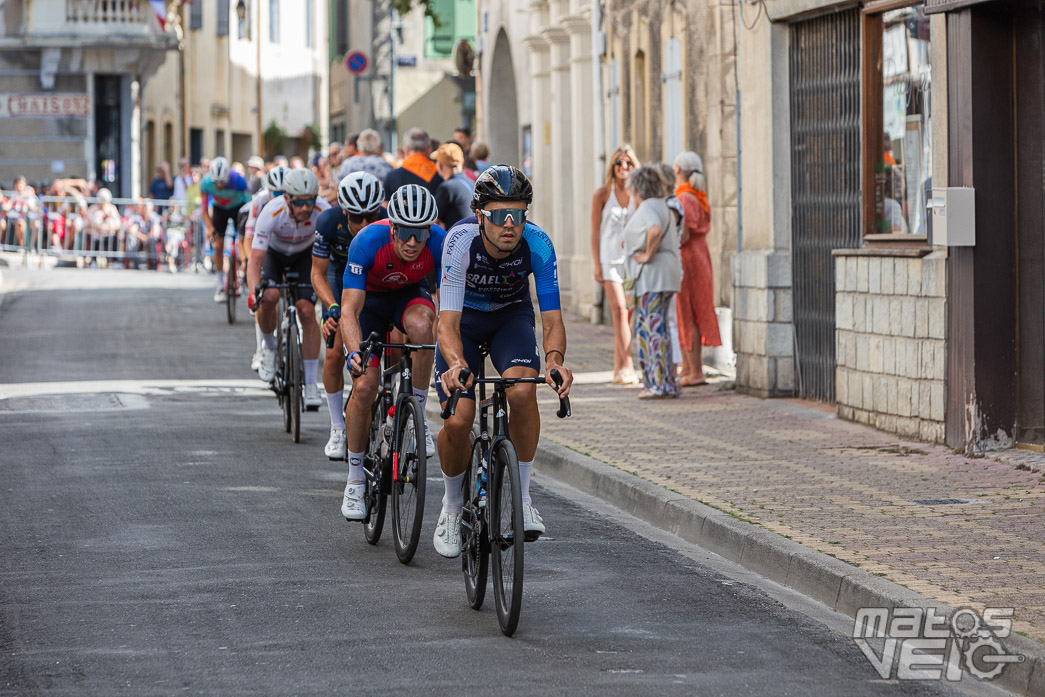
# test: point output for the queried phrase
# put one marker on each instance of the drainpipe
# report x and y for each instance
(257, 39)
(596, 67)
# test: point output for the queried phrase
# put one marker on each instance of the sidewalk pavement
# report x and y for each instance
(962, 532)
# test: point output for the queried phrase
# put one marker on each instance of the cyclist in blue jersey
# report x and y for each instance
(227, 190)
(385, 284)
(487, 264)
(359, 196)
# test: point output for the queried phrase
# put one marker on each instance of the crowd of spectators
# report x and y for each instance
(78, 217)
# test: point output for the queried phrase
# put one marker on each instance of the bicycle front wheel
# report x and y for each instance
(231, 288)
(475, 547)
(282, 380)
(295, 376)
(408, 487)
(504, 508)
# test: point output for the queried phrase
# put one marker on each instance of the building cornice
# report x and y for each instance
(575, 24)
(555, 35)
(537, 43)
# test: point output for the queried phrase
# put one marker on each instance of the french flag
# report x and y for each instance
(160, 8)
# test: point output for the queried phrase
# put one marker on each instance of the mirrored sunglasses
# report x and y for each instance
(405, 233)
(624, 163)
(303, 202)
(501, 215)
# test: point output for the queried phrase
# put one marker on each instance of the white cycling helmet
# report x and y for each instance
(300, 182)
(360, 193)
(412, 206)
(274, 179)
(219, 169)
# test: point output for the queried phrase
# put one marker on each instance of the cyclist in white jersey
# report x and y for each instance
(283, 237)
(273, 188)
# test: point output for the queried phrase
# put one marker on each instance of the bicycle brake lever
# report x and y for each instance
(564, 402)
(451, 404)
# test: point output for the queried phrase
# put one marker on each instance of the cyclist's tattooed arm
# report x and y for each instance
(352, 300)
(555, 349)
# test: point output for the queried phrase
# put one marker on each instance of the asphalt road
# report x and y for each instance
(161, 534)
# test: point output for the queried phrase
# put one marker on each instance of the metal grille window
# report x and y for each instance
(274, 21)
(341, 30)
(196, 15)
(825, 184)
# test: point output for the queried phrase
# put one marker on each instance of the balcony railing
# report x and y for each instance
(107, 11)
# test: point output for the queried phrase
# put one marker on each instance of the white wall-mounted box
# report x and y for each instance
(953, 211)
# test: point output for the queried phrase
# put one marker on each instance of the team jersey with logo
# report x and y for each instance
(275, 229)
(374, 266)
(233, 195)
(256, 204)
(474, 279)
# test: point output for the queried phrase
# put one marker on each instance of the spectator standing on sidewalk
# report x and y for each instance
(698, 324)
(652, 259)
(183, 181)
(367, 158)
(162, 186)
(24, 211)
(610, 207)
(255, 174)
(480, 156)
(453, 198)
(416, 167)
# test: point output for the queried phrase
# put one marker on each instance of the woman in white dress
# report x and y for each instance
(610, 207)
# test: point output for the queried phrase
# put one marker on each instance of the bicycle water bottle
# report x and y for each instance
(482, 483)
(388, 430)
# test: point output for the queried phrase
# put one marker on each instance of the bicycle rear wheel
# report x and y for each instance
(475, 547)
(408, 488)
(504, 508)
(231, 286)
(296, 381)
(376, 500)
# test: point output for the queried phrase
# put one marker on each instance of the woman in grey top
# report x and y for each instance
(651, 243)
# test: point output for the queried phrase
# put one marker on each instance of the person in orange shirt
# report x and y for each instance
(416, 167)
(698, 323)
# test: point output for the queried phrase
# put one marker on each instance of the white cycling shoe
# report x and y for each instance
(429, 441)
(353, 506)
(335, 448)
(267, 367)
(312, 397)
(255, 361)
(533, 524)
(447, 538)
(219, 295)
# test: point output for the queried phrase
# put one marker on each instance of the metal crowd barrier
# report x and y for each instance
(131, 233)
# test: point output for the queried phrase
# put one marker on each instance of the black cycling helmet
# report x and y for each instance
(501, 183)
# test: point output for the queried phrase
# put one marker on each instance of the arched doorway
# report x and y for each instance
(502, 123)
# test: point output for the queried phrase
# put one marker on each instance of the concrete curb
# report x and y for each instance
(836, 584)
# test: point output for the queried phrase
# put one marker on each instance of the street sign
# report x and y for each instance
(356, 62)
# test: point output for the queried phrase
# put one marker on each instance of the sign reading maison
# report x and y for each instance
(45, 105)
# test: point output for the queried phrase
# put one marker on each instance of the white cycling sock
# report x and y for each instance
(268, 340)
(355, 467)
(311, 367)
(525, 470)
(258, 334)
(453, 497)
(335, 402)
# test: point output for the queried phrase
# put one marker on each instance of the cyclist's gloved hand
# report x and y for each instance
(253, 298)
(333, 312)
(355, 363)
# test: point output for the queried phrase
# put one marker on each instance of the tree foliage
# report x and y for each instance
(404, 6)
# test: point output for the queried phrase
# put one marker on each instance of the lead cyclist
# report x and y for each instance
(487, 263)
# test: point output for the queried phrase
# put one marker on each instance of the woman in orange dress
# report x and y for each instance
(698, 324)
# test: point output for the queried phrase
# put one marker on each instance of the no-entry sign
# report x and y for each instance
(356, 62)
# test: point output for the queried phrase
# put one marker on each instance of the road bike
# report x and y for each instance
(289, 380)
(395, 459)
(492, 522)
